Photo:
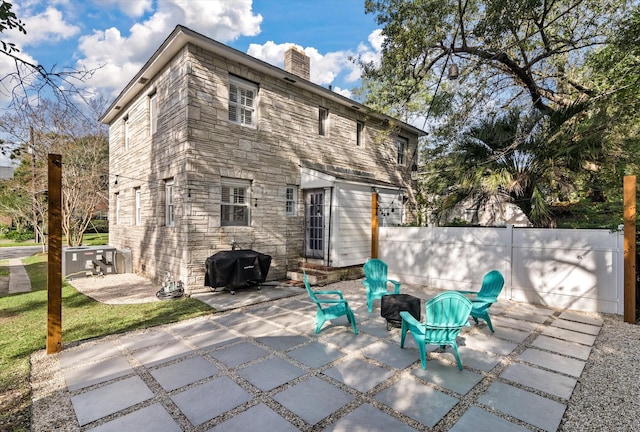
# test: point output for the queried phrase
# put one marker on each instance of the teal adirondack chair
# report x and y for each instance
(330, 308)
(445, 316)
(492, 284)
(376, 281)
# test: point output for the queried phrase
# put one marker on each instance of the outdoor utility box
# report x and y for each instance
(123, 261)
(83, 261)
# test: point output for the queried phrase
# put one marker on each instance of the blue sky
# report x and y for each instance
(120, 35)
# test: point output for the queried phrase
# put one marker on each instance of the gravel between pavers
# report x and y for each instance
(606, 397)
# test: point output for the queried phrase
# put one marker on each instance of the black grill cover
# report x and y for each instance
(236, 268)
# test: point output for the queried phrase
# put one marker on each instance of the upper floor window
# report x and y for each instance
(242, 102)
(138, 204)
(127, 133)
(402, 150)
(290, 200)
(169, 206)
(234, 204)
(117, 208)
(323, 121)
(359, 133)
(153, 113)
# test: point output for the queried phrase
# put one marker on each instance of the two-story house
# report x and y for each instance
(210, 147)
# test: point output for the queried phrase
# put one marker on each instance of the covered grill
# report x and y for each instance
(236, 268)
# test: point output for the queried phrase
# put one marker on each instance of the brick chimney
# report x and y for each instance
(297, 62)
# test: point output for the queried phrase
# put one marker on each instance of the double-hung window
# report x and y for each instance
(138, 209)
(359, 133)
(402, 150)
(153, 113)
(290, 200)
(242, 101)
(234, 203)
(323, 121)
(117, 208)
(169, 206)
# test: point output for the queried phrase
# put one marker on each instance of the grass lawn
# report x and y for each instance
(94, 239)
(23, 329)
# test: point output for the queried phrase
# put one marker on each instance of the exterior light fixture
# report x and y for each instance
(453, 72)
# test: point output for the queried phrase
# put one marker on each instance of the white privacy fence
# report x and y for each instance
(563, 268)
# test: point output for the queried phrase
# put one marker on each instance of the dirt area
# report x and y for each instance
(124, 288)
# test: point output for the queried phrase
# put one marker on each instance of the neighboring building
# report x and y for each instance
(210, 147)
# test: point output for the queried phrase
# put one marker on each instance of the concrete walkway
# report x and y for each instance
(19, 281)
(262, 367)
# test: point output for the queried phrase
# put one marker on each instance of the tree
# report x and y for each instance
(533, 58)
(29, 81)
(82, 141)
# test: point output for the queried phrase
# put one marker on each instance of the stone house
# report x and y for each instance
(211, 148)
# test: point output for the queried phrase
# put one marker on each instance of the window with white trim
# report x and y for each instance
(291, 197)
(169, 206)
(153, 113)
(242, 101)
(117, 208)
(127, 135)
(402, 150)
(234, 203)
(138, 203)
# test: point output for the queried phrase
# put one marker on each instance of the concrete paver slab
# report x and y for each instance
(510, 334)
(153, 418)
(359, 374)
(271, 373)
(185, 372)
(283, 341)
(88, 353)
(316, 354)
(480, 360)
(256, 418)
(576, 326)
(193, 328)
(370, 419)
(477, 419)
(230, 319)
(159, 354)
(581, 318)
(211, 399)
(481, 342)
(257, 328)
(236, 355)
(413, 399)
(506, 322)
(391, 354)
(527, 316)
(562, 364)
(562, 347)
(448, 376)
(569, 335)
(350, 341)
(213, 339)
(95, 373)
(545, 381)
(313, 399)
(523, 405)
(95, 404)
(146, 339)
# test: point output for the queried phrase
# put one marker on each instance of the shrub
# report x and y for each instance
(19, 235)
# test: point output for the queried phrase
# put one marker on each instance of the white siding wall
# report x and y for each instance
(351, 225)
(574, 269)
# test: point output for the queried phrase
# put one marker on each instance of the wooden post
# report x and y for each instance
(374, 224)
(630, 249)
(54, 268)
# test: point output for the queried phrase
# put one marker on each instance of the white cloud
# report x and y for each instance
(120, 56)
(132, 8)
(47, 26)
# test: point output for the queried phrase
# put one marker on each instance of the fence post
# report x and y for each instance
(54, 261)
(630, 249)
